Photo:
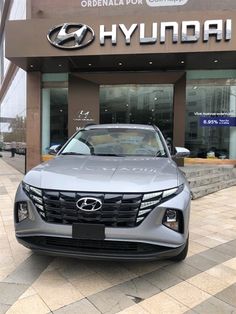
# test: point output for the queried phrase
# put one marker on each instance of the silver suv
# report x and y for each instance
(112, 192)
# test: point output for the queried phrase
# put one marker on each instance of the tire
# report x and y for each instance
(182, 255)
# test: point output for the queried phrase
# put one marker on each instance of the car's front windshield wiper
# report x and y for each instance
(115, 155)
(160, 154)
(73, 153)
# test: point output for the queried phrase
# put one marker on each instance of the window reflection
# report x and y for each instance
(138, 103)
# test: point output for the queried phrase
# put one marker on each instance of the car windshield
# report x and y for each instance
(116, 142)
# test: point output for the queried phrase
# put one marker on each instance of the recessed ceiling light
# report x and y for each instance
(127, 105)
(194, 87)
(155, 98)
(120, 63)
(31, 65)
(60, 65)
(90, 64)
(182, 62)
(216, 61)
(150, 62)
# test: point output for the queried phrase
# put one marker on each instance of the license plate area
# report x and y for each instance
(88, 231)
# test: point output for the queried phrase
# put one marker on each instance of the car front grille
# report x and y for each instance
(118, 210)
(115, 210)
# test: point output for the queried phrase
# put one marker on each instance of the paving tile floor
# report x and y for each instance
(204, 283)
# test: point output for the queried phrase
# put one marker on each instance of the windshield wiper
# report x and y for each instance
(160, 154)
(73, 153)
(115, 155)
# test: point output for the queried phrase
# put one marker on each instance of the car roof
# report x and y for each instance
(120, 126)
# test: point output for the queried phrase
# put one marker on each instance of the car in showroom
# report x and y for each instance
(111, 192)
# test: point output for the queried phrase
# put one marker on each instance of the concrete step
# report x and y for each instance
(193, 172)
(229, 183)
(211, 188)
(206, 180)
(209, 179)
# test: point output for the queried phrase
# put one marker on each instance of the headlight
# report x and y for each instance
(36, 196)
(163, 195)
(151, 200)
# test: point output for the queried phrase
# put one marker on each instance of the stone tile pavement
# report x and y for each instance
(204, 283)
(18, 162)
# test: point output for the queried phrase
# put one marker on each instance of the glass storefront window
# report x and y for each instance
(138, 103)
(55, 77)
(210, 118)
(13, 123)
(54, 117)
(54, 110)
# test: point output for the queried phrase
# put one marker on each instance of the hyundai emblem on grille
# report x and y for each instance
(89, 204)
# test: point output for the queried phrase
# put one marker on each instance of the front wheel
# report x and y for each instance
(182, 255)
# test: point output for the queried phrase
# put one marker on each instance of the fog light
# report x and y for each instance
(172, 219)
(172, 225)
(171, 215)
(22, 211)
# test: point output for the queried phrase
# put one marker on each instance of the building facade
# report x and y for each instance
(166, 62)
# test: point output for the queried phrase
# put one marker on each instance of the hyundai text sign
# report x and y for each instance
(76, 35)
(185, 32)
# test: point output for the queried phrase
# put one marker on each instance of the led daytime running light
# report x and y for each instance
(37, 199)
(169, 192)
(36, 191)
(151, 195)
(148, 204)
(162, 195)
(26, 187)
(144, 211)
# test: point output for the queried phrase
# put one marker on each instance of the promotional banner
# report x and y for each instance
(217, 121)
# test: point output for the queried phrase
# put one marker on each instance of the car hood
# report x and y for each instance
(105, 174)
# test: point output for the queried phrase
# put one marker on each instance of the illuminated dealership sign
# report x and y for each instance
(77, 36)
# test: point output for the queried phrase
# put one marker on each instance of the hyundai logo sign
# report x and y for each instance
(71, 36)
(75, 36)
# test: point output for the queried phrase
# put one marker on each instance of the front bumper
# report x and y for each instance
(150, 240)
(99, 250)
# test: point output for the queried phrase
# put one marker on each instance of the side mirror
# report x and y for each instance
(54, 149)
(181, 152)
